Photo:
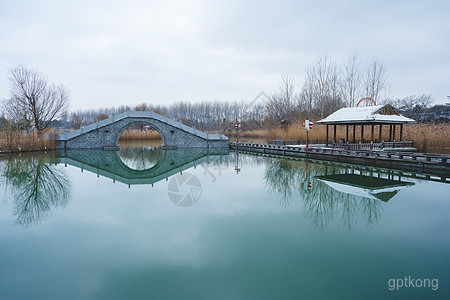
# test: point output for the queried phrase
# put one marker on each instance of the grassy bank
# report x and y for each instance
(427, 137)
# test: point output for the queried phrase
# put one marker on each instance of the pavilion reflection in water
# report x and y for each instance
(366, 186)
(332, 192)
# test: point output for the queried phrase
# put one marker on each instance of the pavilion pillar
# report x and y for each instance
(362, 132)
(401, 132)
(380, 134)
(390, 132)
(326, 140)
(371, 136)
(346, 136)
(393, 133)
(354, 133)
(335, 133)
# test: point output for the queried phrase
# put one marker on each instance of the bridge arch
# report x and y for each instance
(139, 122)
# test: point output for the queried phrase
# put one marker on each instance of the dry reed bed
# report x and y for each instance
(130, 134)
(23, 142)
(140, 135)
(427, 137)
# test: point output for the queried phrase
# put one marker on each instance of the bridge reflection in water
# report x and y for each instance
(166, 163)
(36, 183)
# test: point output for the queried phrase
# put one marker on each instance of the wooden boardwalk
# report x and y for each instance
(436, 164)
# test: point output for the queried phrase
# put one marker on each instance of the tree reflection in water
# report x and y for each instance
(35, 185)
(294, 180)
(281, 177)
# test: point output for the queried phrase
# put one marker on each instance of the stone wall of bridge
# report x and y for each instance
(107, 133)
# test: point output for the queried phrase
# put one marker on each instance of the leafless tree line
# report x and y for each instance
(411, 104)
(204, 115)
(327, 86)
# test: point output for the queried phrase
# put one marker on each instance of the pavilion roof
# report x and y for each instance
(377, 114)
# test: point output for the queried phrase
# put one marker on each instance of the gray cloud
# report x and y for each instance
(112, 53)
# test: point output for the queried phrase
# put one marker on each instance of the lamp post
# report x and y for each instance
(236, 126)
(308, 127)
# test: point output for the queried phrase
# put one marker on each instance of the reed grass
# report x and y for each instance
(16, 141)
(130, 134)
(432, 138)
(427, 137)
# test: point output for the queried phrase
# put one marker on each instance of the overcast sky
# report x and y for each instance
(111, 53)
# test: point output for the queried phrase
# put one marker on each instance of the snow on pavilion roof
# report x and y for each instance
(366, 114)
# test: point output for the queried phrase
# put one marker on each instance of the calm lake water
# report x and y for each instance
(144, 223)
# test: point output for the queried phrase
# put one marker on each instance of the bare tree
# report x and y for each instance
(412, 106)
(321, 91)
(375, 81)
(351, 80)
(100, 117)
(143, 107)
(280, 106)
(33, 99)
(308, 95)
(76, 121)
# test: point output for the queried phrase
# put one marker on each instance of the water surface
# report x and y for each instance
(203, 224)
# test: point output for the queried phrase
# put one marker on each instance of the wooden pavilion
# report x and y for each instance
(366, 116)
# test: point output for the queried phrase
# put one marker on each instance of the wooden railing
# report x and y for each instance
(347, 146)
(296, 142)
(373, 146)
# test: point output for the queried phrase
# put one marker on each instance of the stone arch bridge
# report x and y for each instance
(105, 134)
